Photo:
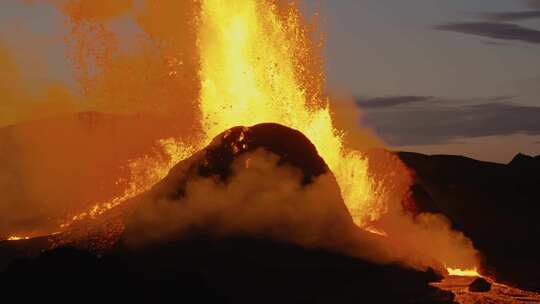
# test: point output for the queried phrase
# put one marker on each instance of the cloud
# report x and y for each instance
(534, 3)
(512, 16)
(495, 30)
(381, 102)
(437, 123)
(404, 100)
(495, 43)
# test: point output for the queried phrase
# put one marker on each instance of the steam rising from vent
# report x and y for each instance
(198, 68)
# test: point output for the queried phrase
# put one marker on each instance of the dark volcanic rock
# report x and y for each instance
(480, 285)
(525, 161)
(10, 250)
(225, 270)
(291, 146)
(418, 200)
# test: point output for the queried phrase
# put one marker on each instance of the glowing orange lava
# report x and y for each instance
(249, 75)
(463, 272)
(17, 238)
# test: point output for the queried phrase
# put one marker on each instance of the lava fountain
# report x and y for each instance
(257, 62)
(249, 76)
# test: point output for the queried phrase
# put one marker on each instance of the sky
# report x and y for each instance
(440, 76)
(432, 76)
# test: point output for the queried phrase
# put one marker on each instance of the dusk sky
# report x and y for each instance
(441, 76)
(433, 76)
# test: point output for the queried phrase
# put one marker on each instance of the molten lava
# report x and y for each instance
(249, 75)
(463, 272)
(17, 238)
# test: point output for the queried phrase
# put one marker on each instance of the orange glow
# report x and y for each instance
(376, 231)
(210, 65)
(17, 238)
(145, 172)
(257, 64)
(463, 272)
(249, 75)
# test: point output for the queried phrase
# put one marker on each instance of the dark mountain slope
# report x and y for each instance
(226, 270)
(496, 205)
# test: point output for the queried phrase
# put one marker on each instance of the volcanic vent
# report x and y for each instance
(267, 179)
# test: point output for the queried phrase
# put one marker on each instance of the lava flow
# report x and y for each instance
(498, 293)
(463, 272)
(17, 238)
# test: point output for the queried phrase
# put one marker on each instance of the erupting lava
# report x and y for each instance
(257, 63)
(248, 76)
(18, 238)
(463, 272)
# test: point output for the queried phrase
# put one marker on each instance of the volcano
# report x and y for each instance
(267, 178)
(222, 256)
(201, 159)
